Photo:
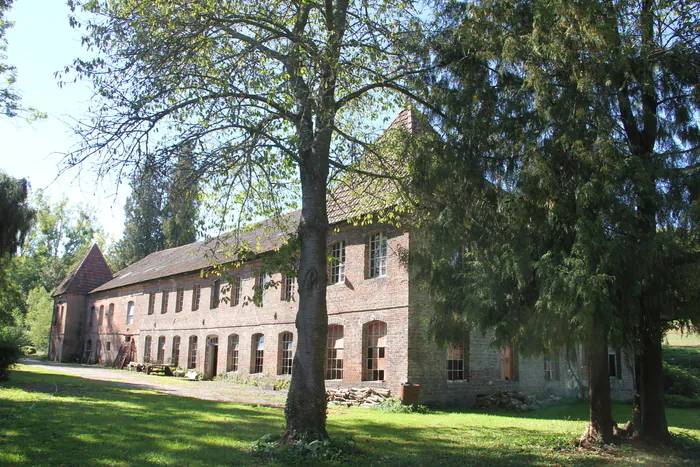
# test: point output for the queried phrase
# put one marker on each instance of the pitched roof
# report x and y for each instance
(92, 271)
(263, 237)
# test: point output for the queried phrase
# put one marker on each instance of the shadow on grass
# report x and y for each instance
(87, 422)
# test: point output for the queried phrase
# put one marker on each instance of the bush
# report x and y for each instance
(687, 358)
(327, 451)
(681, 402)
(11, 341)
(679, 381)
(28, 350)
(395, 405)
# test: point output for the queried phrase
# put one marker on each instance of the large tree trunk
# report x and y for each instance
(600, 426)
(306, 402)
(652, 386)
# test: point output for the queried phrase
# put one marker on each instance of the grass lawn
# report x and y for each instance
(48, 419)
(677, 339)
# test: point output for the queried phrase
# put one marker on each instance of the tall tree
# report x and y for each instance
(143, 212)
(182, 206)
(276, 94)
(570, 175)
(15, 213)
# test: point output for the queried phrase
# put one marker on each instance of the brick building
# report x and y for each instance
(172, 307)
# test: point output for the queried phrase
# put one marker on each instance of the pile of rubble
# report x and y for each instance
(363, 397)
(508, 400)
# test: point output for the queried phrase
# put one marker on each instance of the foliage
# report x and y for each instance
(143, 212)
(38, 318)
(561, 198)
(678, 401)
(687, 358)
(9, 99)
(11, 342)
(15, 212)
(394, 405)
(101, 423)
(181, 210)
(680, 381)
(303, 452)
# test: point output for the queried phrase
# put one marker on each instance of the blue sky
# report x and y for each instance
(41, 43)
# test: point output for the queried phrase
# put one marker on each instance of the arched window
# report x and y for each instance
(110, 315)
(286, 352)
(175, 355)
(101, 316)
(160, 356)
(232, 360)
(258, 353)
(192, 353)
(147, 350)
(375, 350)
(334, 352)
(91, 316)
(130, 313)
(88, 347)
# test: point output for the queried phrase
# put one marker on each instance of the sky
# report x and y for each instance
(40, 44)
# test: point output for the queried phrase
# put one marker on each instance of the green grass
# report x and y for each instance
(678, 339)
(48, 419)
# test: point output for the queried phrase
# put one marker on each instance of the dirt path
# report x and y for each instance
(206, 390)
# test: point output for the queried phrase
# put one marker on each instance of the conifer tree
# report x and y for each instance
(569, 176)
(181, 209)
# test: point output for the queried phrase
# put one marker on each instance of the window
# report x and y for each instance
(258, 353)
(260, 286)
(615, 364)
(377, 255)
(551, 367)
(192, 356)
(334, 352)
(286, 353)
(215, 294)
(235, 291)
(456, 363)
(108, 346)
(151, 303)
(130, 313)
(375, 351)
(508, 359)
(101, 316)
(179, 299)
(164, 301)
(232, 361)
(175, 354)
(110, 315)
(289, 286)
(160, 356)
(196, 294)
(57, 310)
(336, 265)
(90, 316)
(147, 350)
(88, 347)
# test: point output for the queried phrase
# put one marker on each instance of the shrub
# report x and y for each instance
(679, 381)
(303, 452)
(11, 341)
(681, 402)
(395, 405)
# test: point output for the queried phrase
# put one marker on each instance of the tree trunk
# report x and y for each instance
(652, 387)
(600, 426)
(305, 410)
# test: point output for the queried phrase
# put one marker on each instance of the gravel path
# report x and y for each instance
(206, 390)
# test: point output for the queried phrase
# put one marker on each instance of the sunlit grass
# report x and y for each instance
(48, 419)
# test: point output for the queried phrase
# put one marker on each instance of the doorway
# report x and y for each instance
(211, 357)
